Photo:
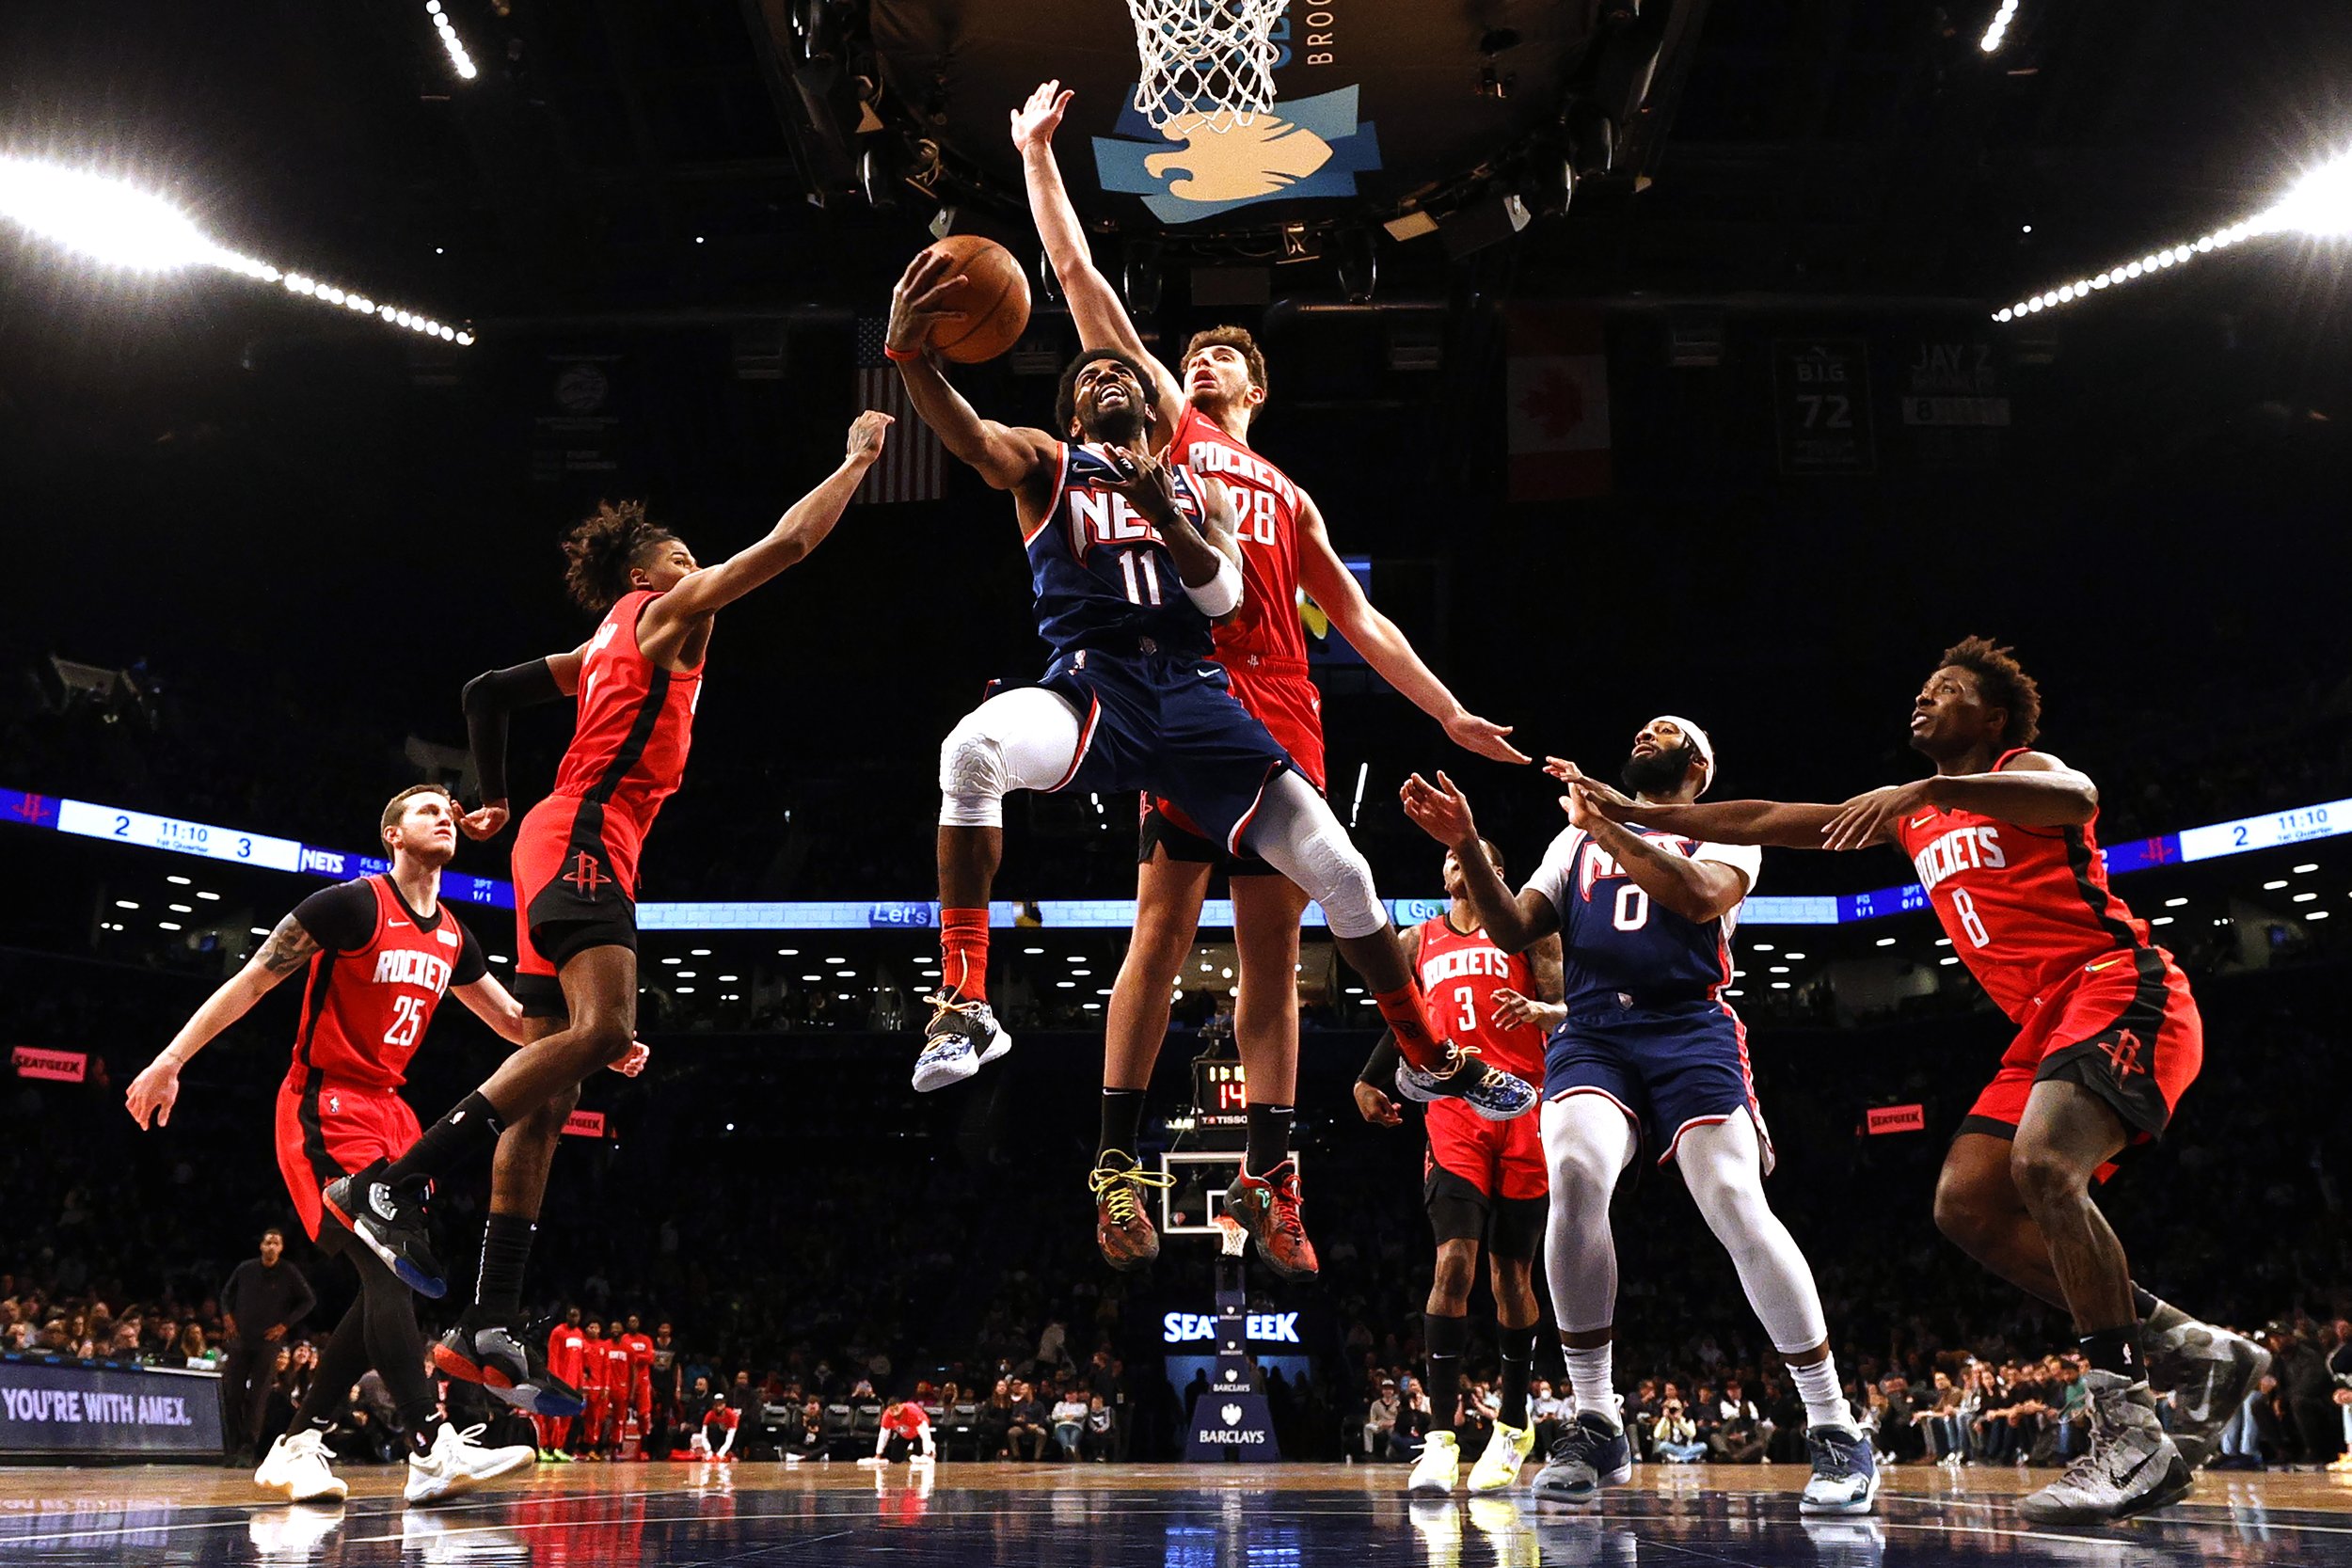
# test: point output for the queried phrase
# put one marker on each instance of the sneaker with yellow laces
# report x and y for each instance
(1123, 1231)
(1506, 1451)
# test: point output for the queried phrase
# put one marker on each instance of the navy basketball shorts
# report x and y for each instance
(1171, 727)
(1669, 1067)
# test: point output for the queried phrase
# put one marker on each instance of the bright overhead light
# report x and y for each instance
(1996, 31)
(2162, 920)
(117, 223)
(2306, 868)
(1947, 961)
(2317, 915)
(700, 951)
(1882, 941)
(788, 952)
(133, 904)
(2274, 886)
(2175, 903)
(167, 925)
(2319, 204)
(207, 897)
(1793, 958)
(2305, 897)
(689, 991)
(179, 881)
(459, 60)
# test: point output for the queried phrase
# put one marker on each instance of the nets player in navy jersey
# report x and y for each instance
(1649, 1052)
(1130, 560)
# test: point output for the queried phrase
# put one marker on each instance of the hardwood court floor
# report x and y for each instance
(1172, 1516)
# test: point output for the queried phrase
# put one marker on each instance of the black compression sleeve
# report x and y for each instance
(489, 698)
(471, 965)
(340, 918)
(1380, 1070)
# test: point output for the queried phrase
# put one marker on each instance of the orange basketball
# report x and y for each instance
(993, 293)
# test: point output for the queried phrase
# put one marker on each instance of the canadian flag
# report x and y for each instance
(1556, 396)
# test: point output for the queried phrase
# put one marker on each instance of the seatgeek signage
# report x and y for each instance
(1263, 1329)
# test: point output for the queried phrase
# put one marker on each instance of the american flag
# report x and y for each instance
(913, 466)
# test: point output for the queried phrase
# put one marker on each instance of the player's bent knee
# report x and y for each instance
(2046, 1177)
(604, 1037)
(971, 778)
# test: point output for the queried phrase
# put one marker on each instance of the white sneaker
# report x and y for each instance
(456, 1462)
(1438, 1468)
(1506, 1451)
(295, 1469)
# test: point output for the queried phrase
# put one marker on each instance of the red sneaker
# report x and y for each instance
(1267, 1207)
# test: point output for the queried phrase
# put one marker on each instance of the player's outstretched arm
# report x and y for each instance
(1101, 316)
(1697, 890)
(153, 1093)
(1514, 922)
(1780, 824)
(495, 1006)
(489, 699)
(1545, 1009)
(799, 532)
(1385, 648)
(2035, 790)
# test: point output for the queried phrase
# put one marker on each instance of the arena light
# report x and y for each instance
(1996, 31)
(459, 60)
(2319, 205)
(121, 223)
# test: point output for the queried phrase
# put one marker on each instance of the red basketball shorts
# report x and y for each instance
(575, 888)
(1502, 1159)
(2125, 1027)
(328, 1130)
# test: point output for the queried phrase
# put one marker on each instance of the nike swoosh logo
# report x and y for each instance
(395, 923)
(2106, 963)
(1923, 822)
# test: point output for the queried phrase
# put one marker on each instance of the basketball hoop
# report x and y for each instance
(1234, 1238)
(1206, 63)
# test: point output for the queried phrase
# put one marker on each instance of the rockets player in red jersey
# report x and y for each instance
(617, 1378)
(2003, 838)
(595, 1388)
(567, 1362)
(639, 1347)
(1484, 1181)
(1203, 419)
(381, 952)
(636, 680)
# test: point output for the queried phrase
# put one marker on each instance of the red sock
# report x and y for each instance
(1402, 1011)
(963, 954)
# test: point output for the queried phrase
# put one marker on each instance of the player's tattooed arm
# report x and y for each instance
(1545, 1009)
(156, 1089)
(1699, 891)
(1441, 810)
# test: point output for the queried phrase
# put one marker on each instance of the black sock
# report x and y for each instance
(2144, 1302)
(1122, 1121)
(470, 1130)
(1269, 1138)
(421, 1425)
(1445, 1340)
(1517, 1348)
(2115, 1349)
(505, 1249)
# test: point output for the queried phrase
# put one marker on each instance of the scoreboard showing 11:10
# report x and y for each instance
(1220, 1096)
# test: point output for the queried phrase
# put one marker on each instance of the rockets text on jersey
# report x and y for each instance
(1460, 972)
(636, 721)
(364, 1011)
(1102, 574)
(1619, 944)
(1265, 632)
(2026, 908)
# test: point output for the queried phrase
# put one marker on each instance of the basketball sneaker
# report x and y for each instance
(2133, 1466)
(1438, 1468)
(960, 1038)
(1591, 1454)
(295, 1469)
(456, 1462)
(1506, 1451)
(1845, 1472)
(1123, 1231)
(1267, 1207)
(1497, 1095)
(508, 1362)
(2212, 1370)
(390, 1222)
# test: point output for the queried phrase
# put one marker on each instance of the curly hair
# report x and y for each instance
(1066, 396)
(2004, 683)
(600, 551)
(1236, 338)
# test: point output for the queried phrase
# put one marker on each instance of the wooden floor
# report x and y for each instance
(1269, 1517)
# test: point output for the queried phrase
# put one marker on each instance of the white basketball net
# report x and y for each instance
(1207, 63)
(1233, 1237)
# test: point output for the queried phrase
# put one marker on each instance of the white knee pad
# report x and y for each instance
(1026, 738)
(1295, 834)
(972, 776)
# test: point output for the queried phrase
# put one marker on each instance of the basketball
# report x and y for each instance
(993, 293)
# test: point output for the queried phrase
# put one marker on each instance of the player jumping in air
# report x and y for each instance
(1130, 559)
(1201, 420)
(2003, 839)
(1484, 1180)
(381, 952)
(637, 681)
(1649, 1050)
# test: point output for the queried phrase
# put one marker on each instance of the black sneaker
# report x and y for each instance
(507, 1361)
(390, 1222)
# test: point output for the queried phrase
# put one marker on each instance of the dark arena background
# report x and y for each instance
(1727, 358)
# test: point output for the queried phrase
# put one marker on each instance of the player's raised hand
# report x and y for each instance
(1607, 799)
(1483, 735)
(1035, 122)
(485, 821)
(1146, 482)
(1441, 811)
(1375, 1107)
(633, 1061)
(1869, 817)
(1514, 1011)
(919, 301)
(866, 434)
(153, 1093)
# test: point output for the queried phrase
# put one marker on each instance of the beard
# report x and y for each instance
(1117, 427)
(1659, 772)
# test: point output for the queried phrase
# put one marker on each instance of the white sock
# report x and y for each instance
(1824, 1406)
(1590, 1380)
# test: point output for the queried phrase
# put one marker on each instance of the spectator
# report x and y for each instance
(1740, 1434)
(1380, 1420)
(1675, 1437)
(1100, 1441)
(264, 1299)
(1069, 1423)
(1026, 1427)
(994, 1425)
